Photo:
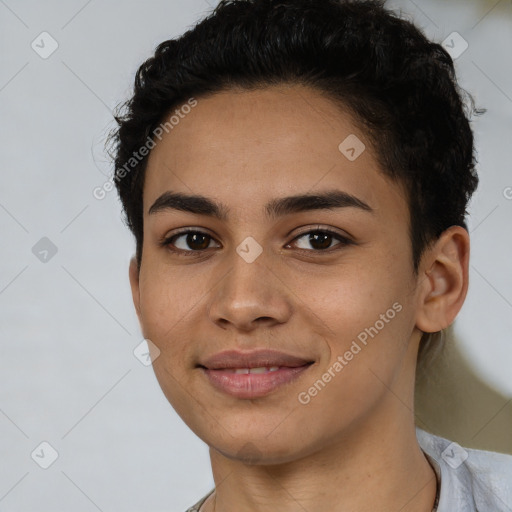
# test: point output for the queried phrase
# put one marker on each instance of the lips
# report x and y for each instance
(232, 359)
(255, 374)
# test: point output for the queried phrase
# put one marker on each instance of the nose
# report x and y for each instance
(250, 295)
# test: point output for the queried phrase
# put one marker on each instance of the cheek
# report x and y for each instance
(366, 346)
(350, 297)
(362, 313)
(165, 302)
(165, 296)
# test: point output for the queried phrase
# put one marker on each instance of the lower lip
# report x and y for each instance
(252, 385)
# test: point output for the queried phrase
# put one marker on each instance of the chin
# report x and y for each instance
(260, 453)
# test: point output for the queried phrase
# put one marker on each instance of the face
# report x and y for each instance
(329, 281)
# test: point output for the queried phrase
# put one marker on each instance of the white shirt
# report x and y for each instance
(470, 480)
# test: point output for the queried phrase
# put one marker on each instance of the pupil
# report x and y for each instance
(325, 240)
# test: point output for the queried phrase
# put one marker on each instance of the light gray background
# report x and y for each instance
(67, 327)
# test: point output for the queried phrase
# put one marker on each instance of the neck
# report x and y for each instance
(377, 466)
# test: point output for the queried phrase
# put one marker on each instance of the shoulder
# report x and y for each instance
(471, 479)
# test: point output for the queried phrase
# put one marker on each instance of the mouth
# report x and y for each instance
(252, 374)
(242, 371)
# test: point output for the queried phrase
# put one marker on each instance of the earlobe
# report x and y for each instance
(443, 280)
(134, 284)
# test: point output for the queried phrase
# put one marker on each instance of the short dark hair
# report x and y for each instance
(399, 87)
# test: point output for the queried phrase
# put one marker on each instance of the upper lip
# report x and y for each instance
(252, 359)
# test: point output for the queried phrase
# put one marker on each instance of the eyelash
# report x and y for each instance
(168, 241)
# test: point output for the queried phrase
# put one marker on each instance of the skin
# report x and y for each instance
(353, 446)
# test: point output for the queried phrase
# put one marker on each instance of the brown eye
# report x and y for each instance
(320, 240)
(197, 241)
(189, 241)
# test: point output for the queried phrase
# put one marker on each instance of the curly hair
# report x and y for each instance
(399, 87)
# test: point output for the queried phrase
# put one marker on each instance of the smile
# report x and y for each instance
(248, 383)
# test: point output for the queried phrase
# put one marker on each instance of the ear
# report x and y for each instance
(443, 280)
(134, 284)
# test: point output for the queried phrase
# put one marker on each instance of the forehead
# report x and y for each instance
(245, 148)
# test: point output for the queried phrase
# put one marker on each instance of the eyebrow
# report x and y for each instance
(279, 207)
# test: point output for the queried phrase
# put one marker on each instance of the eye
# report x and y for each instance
(188, 241)
(321, 240)
(192, 242)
